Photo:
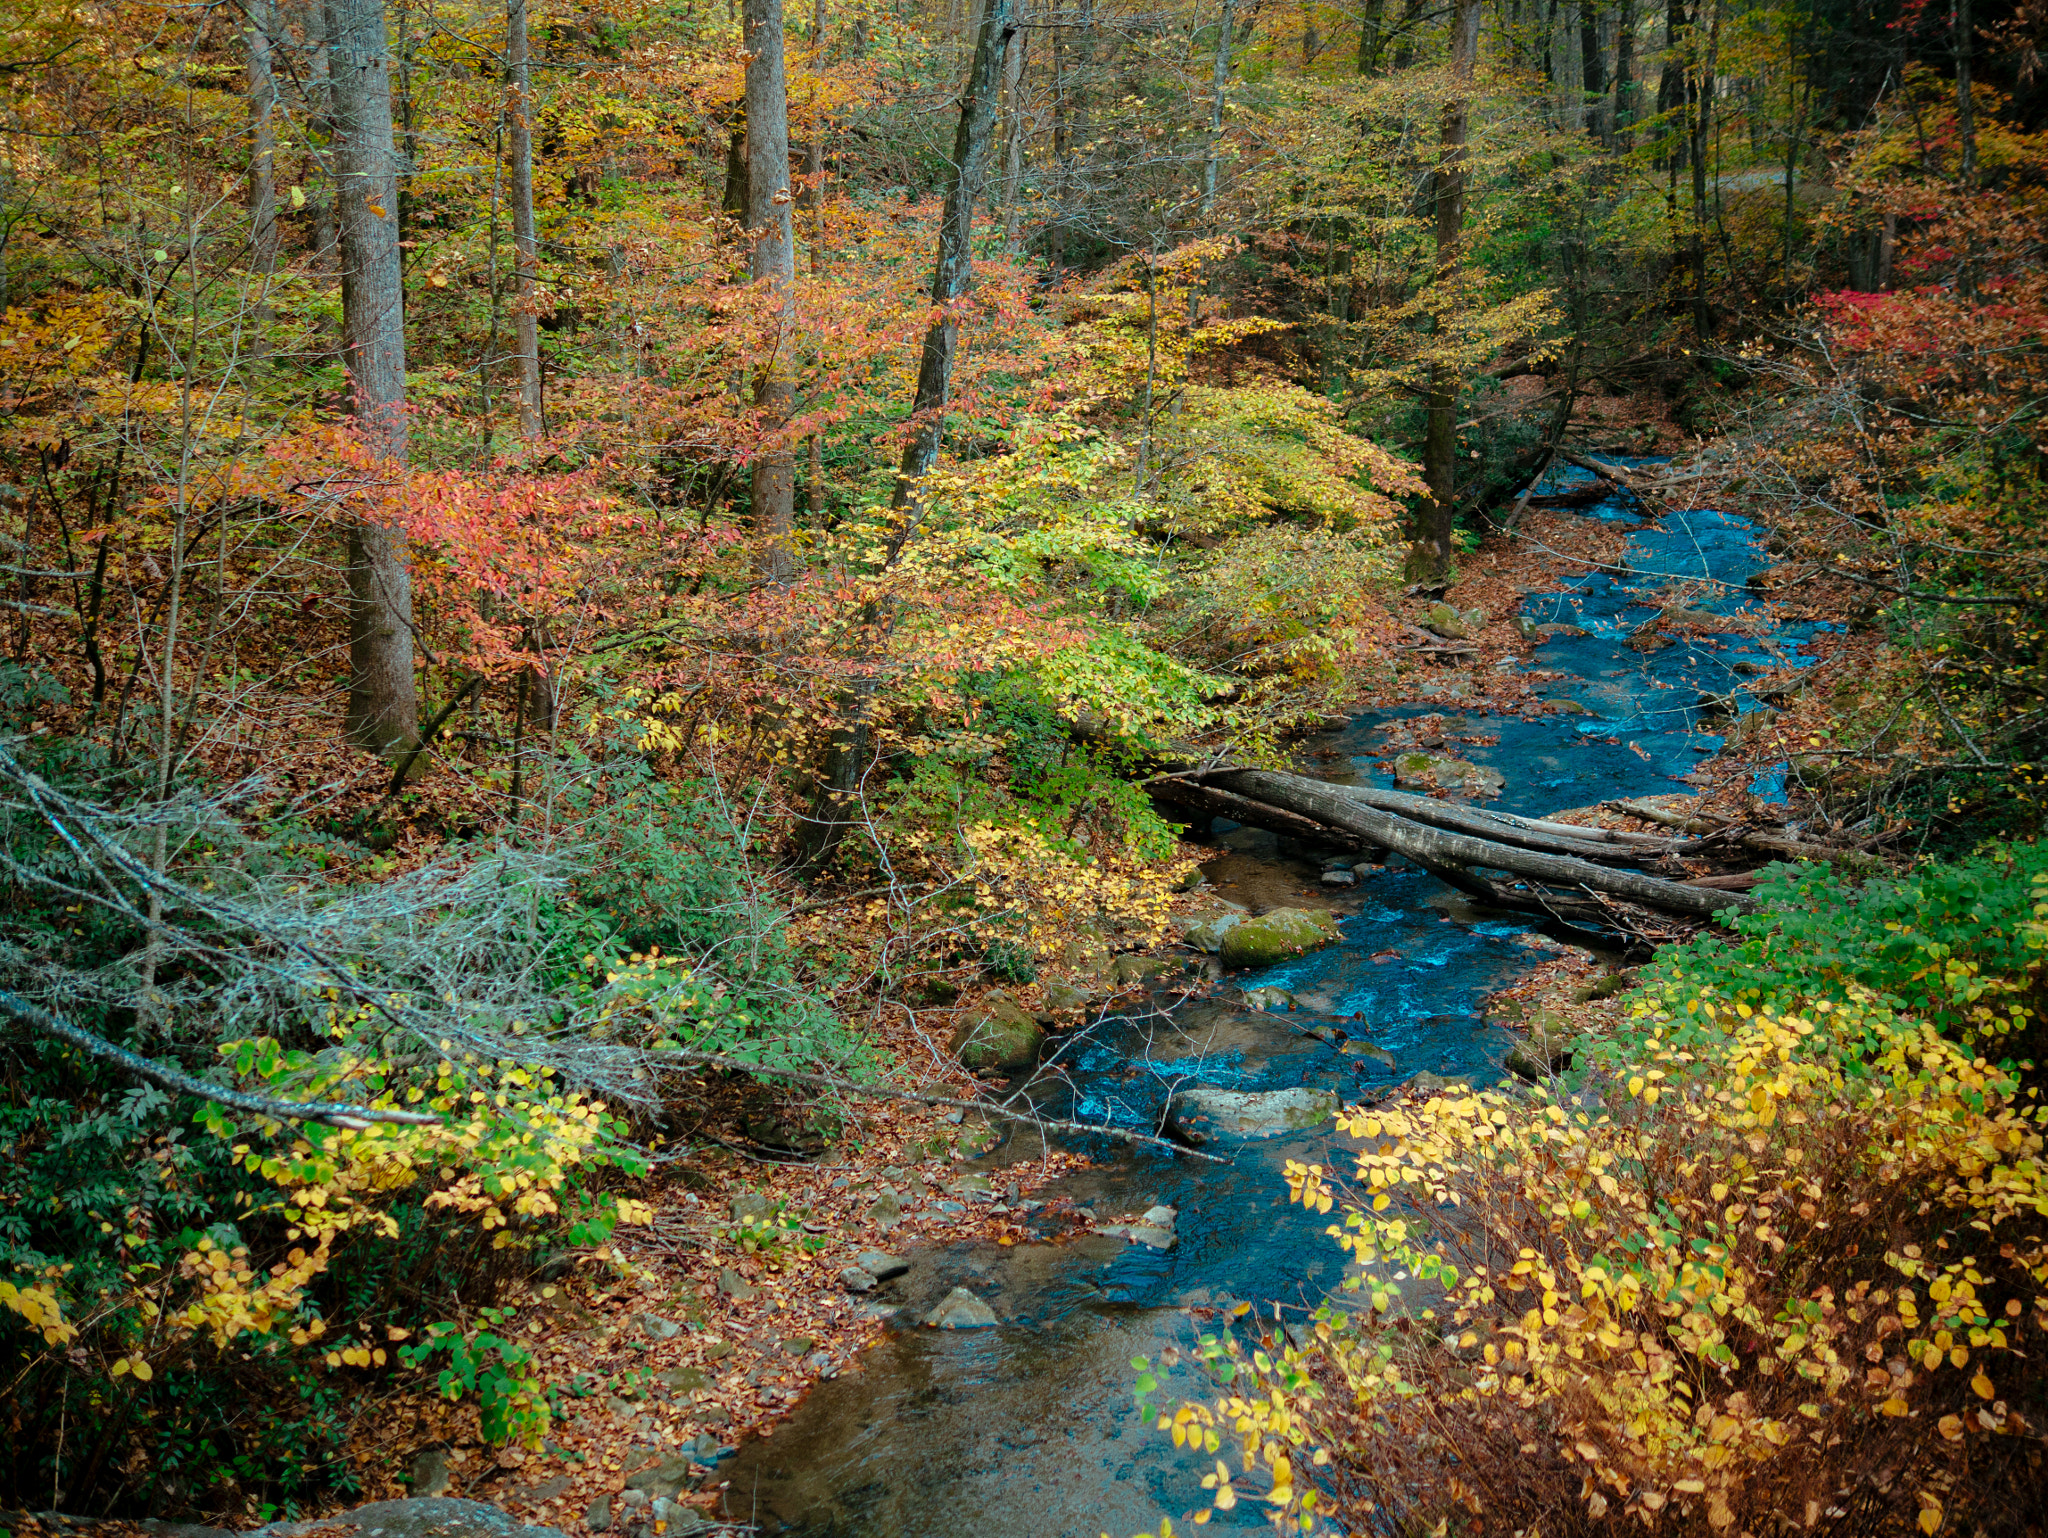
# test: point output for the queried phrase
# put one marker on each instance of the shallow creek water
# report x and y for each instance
(1029, 1429)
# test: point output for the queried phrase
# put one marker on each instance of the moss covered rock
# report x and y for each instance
(1278, 936)
(1437, 771)
(1001, 1033)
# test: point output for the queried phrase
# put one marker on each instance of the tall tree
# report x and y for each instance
(954, 273)
(1013, 133)
(525, 239)
(1219, 87)
(1430, 555)
(261, 81)
(383, 704)
(1593, 73)
(773, 262)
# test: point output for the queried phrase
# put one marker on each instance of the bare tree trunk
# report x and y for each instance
(1219, 85)
(1593, 73)
(1700, 90)
(773, 262)
(383, 703)
(1966, 105)
(1372, 40)
(1625, 74)
(954, 273)
(1430, 555)
(1013, 134)
(320, 112)
(525, 241)
(262, 88)
(733, 203)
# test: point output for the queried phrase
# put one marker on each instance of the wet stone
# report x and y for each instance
(960, 1310)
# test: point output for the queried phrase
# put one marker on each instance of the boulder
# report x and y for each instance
(1278, 936)
(1204, 1112)
(1001, 1034)
(1342, 875)
(663, 1481)
(657, 1328)
(1447, 622)
(1439, 771)
(1205, 930)
(858, 1279)
(886, 1211)
(880, 1265)
(1064, 999)
(1271, 1000)
(419, 1517)
(751, 1204)
(960, 1310)
(430, 1472)
(735, 1286)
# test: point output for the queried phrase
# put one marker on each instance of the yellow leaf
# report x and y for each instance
(1930, 1514)
(1982, 1385)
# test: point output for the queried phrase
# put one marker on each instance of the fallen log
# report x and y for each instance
(1438, 848)
(1602, 844)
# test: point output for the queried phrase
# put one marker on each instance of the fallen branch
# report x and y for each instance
(1426, 845)
(336, 1113)
(915, 1097)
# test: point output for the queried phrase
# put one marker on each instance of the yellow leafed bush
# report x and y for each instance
(1785, 1277)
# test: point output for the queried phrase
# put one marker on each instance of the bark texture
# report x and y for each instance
(383, 703)
(954, 274)
(525, 240)
(773, 262)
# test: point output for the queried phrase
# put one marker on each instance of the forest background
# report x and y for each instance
(548, 544)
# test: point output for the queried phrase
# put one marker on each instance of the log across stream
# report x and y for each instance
(1028, 1430)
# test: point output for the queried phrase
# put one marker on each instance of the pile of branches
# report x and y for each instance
(1603, 878)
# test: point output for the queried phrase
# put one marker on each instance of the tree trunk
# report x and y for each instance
(1966, 104)
(773, 263)
(955, 270)
(733, 202)
(1430, 556)
(262, 88)
(1226, 31)
(1371, 36)
(383, 704)
(320, 115)
(1013, 134)
(1593, 73)
(1700, 93)
(525, 243)
(1625, 74)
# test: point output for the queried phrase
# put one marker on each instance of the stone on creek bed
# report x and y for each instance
(1204, 1112)
(431, 1517)
(1278, 936)
(960, 1310)
(1437, 771)
(1000, 1034)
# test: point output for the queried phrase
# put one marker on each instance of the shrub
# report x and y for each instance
(1759, 1269)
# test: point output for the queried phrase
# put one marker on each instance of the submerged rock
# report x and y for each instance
(960, 1310)
(1438, 771)
(1278, 936)
(1204, 1111)
(1001, 1034)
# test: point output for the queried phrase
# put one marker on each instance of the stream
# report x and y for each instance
(1029, 1430)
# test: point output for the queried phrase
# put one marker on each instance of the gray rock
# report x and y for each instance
(1210, 1112)
(974, 1188)
(1000, 1034)
(1205, 930)
(1137, 971)
(1342, 876)
(1446, 622)
(1152, 1235)
(430, 1473)
(886, 1211)
(1746, 728)
(1365, 1049)
(658, 1328)
(882, 1266)
(1438, 771)
(1064, 999)
(735, 1286)
(598, 1515)
(546, 1490)
(751, 1204)
(632, 1498)
(960, 1310)
(665, 1480)
(1272, 1000)
(1278, 936)
(855, 1279)
(1527, 628)
(684, 1380)
(418, 1517)
(717, 1350)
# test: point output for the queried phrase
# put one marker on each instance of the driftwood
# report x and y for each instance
(1600, 844)
(1441, 850)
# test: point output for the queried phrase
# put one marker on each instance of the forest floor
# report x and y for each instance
(678, 1340)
